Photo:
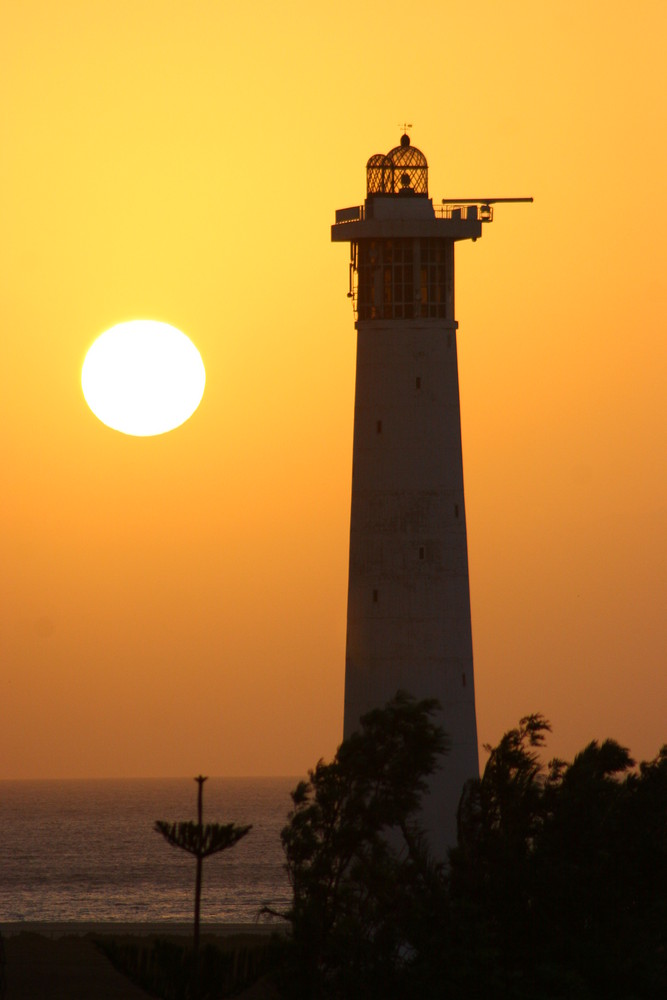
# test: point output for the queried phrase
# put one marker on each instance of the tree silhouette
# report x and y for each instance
(558, 884)
(202, 841)
(366, 894)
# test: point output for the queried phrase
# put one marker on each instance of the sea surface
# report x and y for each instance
(87, 851)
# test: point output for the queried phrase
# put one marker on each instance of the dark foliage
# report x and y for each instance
(164, 967)
(202, 841)
(557, 887)
(366, 895)
(3, 982)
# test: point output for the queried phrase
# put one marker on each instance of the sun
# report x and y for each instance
(143, 378)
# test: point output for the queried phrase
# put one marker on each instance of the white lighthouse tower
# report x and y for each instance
(408, 617)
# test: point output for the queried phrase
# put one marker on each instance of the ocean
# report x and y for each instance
(86, 850)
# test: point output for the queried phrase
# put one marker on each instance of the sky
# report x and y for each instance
(176, 605)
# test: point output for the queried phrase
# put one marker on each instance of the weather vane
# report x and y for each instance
(406, 126)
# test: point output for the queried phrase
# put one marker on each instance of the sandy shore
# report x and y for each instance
(76, 929)
(59, 961)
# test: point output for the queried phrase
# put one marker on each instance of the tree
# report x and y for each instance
(500, 816)
(558, 884)
(599, 871)
(557, 887)
(202, 841)
(363, 883)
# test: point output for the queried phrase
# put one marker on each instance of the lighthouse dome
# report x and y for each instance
(401, 171)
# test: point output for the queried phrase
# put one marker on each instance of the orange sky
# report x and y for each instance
(176, 605)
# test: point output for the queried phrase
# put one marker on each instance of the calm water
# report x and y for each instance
(86, 850)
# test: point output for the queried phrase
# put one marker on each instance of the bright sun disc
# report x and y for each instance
(143, 378)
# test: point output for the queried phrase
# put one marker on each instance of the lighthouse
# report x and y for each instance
(408, 614)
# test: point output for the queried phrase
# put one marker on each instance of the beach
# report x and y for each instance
(60, 961)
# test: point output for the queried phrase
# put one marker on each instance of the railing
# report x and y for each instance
(479, 212)
(459, 209)
(474, 208)
(354, 214)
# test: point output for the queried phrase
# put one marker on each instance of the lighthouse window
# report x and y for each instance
(404, 278)
(421, 551)
(375, 597)
(418, 383)
(433, 278)
(385, 279)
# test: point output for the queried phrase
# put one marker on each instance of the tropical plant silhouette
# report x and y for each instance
(202, 841)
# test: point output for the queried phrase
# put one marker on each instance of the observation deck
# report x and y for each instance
(401, 245)
(398, 206)
(391, 217)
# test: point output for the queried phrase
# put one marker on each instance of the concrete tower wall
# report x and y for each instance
(408, 623)
(408, 620)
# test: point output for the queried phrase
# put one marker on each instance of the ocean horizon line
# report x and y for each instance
(159, 777)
